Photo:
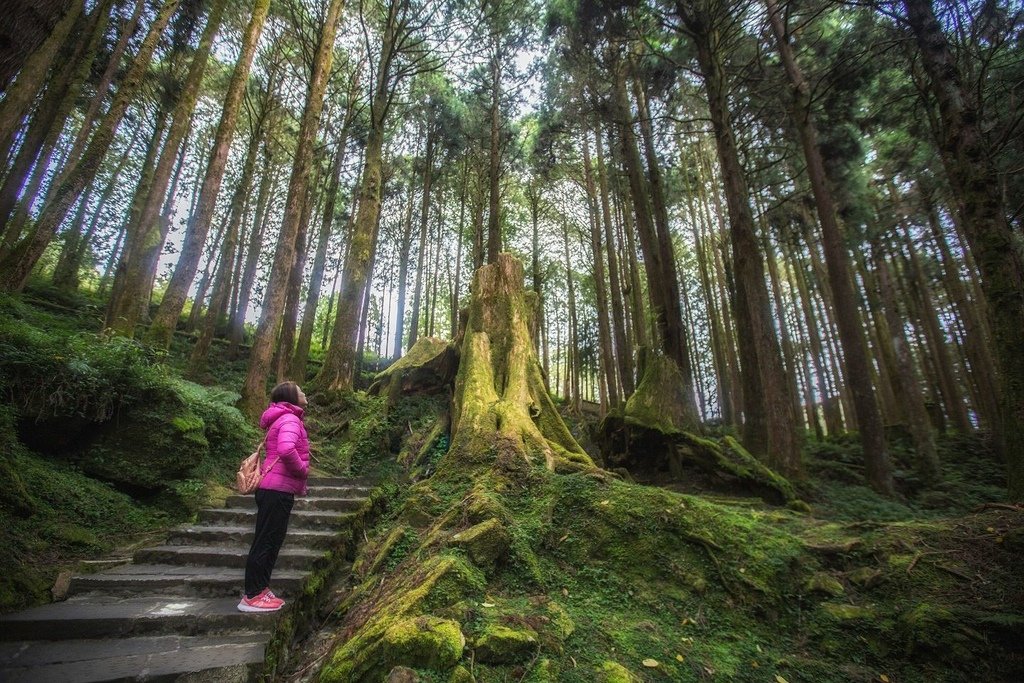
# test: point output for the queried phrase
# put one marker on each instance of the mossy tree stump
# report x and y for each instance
(501, 404)
(652, 432)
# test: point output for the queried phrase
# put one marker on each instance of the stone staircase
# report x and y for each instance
(170, 614)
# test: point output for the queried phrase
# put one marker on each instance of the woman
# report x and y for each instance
(285, 470)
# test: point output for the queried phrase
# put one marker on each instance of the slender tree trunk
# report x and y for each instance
(674, 329)
(254, 389)
(601, 294)
(753, 308)
(976, 337)
(421, 267)
(494, 168)
(975, 181)
(252, 257)
(15, 268)
(143, 242)
(855, 353)
(298, 366)
(666, 308)
(937, 343)
(907, 386)
(66, 274)
(623, 348)
(198, 227)
(51, 113)
(403, 273)
(102, 88)
(19, 97)
(575, 369)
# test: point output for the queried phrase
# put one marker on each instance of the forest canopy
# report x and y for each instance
(808, 214)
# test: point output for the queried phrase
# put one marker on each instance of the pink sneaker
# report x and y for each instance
(264, 602)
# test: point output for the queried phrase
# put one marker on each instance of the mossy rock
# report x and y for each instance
(429, 366)
(865, 577)
(505, 645)
(613, 672)
(402, 674)
(461, 674)
(849, 613)
(424, 642)
(151, 445)
(822, 582)
(486, 543)
(928, 625)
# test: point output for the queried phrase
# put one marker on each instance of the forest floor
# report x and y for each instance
(580, 578)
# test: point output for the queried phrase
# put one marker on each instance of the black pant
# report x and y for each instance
(273, 508)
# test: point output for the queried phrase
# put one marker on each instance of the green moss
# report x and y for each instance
(821, 582)
(505, 645)
(426, 642)
(486, 543)
(436, 583)
(461, 674)
(613, 672)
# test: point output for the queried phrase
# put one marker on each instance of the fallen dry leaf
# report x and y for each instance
(651, 663)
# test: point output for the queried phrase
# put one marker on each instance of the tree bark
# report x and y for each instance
(144, 241)
(19, 97)
(16, 267)
(753, 308)
(421, 267)
(855, 353)
(198, 228)
(974, 179)
(254, 389)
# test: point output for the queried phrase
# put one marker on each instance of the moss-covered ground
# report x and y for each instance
(584, 577)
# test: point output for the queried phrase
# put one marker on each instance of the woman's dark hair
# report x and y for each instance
(285, 392)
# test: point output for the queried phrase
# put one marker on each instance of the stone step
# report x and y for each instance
(304, 504)
(324, 491)
(300, 519)
(342, 481)
(108, 616)
(167, 579)
(226, 659)
(194, 534)
(221, 556)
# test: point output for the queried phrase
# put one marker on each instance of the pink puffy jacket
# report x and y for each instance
(287, 449)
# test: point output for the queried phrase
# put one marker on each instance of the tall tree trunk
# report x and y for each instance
(254, 389)
(51, 113)
(494, 167)
(198, 227)
(976, 337)
(144, 241)
(575, 367)
(76, 245)
(673, 321)
(403, 273)
(908, 385)
(851, 336)
(975, 181)
(601, 294)
(952, 398)
(102, 88)
(666, 308)
(753, 308)
(421, 267)
(19, 97)
(15, 268)
(252, 256)
(623, 348)
(298, 366)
